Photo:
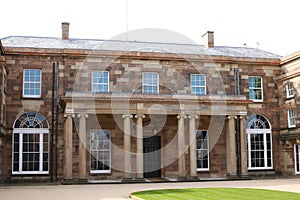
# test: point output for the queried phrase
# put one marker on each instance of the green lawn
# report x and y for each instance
(216, 194)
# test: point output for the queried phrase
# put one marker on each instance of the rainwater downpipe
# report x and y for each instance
(52, 115)
(56, 121)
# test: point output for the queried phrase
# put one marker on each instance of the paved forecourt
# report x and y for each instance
(122, 191)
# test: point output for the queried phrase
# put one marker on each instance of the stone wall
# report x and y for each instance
(3, 90)
(269, 107)
(289, 136)
(16, 104)
(126, 76)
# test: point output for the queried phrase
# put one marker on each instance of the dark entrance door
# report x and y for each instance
(152, 157)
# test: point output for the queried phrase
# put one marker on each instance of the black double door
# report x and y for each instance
(152, 159)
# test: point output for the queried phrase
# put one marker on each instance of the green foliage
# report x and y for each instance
(217, 194)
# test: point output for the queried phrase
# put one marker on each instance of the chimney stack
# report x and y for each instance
(208, 39)
(65, 30)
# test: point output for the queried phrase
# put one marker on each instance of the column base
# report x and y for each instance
(139, 180)
(133, 180)
(193, 178)
(67, 181)
(238, 177)
(245, 177)
(82, 181)
(182, 178)
(233, 177)
(127, 180)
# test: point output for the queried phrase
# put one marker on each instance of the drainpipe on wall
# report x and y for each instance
(52, 114)
(54, 135)
(56, 121)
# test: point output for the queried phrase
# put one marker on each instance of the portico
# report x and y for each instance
(134, 119)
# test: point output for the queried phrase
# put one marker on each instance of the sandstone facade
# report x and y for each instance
(245, 137)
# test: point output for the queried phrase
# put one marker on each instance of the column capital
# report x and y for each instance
(140, 115)
(243, 117)
(127, 115)
(69, 115)
(80, 115)
(231, 117)
(182, 116)
(193, 116)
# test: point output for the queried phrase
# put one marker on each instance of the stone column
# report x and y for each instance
(181, 147)
(231, 150)
(68, 147)
(193, 146)
(82, 147)
(139, 146)
(127, 146)
(244, 168)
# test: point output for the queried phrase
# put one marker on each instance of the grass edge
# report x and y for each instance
(135, 197)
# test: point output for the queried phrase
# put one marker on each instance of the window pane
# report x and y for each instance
(45, 161)
(290, 90)
(100, 81)
(255, 88)
(150, 82)
(291, 116)
(31, 145)
(100, 150)
(30, 151)
(32, 83)
(257, 82)
(198, 84)
(259, 150)
(297, 147)
(202, 149)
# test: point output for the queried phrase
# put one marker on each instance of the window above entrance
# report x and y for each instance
(30, 153)
(31, 120)
(257, 122)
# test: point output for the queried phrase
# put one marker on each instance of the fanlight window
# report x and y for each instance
(30, 153)
(31, 120)
(259, 143)
(257, 122)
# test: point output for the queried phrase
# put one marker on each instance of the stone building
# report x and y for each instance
(288, 86)
(3, 84)
(77, 110)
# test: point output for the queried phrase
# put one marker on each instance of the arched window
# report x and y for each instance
(30, 144)
(259, 143)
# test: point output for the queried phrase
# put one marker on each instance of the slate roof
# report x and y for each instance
(133, 46)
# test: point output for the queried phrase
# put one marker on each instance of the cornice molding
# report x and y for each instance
(140, 55)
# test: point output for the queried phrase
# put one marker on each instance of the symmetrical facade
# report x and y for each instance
(87, 110)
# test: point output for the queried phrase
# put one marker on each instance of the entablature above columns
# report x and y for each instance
(155, 104)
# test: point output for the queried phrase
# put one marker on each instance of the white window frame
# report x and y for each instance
(97, 83)
(289, 87)
(150, 85)
(198, 86)
(291, 117)
(264, 132)
(100, 171)
(208, 163)
(29, 82)
(21, 132)
(256, 88)
(297, 158)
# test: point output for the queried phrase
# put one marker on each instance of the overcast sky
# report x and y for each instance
(270, 25)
